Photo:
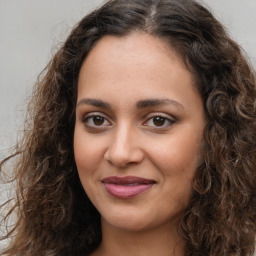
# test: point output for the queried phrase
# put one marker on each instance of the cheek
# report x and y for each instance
(86, 155)
(86, 159)
(87, 150)
(179, 156)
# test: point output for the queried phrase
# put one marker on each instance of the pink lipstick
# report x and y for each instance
(126, 187)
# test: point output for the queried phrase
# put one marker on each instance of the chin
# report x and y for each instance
(135, 221)
(130, 224)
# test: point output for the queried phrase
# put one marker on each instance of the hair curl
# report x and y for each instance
(54, 215)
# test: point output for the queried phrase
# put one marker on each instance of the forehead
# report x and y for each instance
(138, 49)
(136, 64)
(139, 45)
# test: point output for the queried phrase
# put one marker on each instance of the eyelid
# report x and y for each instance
(168, 117)
(162, 114)
(93, 114)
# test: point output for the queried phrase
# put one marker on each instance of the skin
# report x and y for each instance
(127, 139)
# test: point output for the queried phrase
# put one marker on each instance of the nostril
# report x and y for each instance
(123, 157)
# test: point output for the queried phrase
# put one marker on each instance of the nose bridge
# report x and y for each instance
(124, 148)
(121, 136)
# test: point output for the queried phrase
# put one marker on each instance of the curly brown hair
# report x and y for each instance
(53, 214)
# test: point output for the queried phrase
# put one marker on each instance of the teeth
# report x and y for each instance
(132, 184)
(129, 184)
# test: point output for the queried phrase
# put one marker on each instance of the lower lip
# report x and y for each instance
(126, 191)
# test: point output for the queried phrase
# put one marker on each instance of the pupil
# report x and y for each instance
(159, 121)
(98, 120)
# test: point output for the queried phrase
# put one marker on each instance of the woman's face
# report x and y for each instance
(138, 131)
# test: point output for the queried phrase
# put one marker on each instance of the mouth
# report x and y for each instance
(126, 187)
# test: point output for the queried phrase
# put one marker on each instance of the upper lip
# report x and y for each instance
(127, 180)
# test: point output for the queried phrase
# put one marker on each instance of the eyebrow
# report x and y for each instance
(157, 102)
(94, 102)
(140, 104)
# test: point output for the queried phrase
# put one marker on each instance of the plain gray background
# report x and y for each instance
(31, 30)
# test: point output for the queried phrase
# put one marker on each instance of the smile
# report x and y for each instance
(126, 187)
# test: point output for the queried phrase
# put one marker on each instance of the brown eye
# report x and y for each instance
(159, 121)
(98, 120)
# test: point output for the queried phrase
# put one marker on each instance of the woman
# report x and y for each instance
(141, 139)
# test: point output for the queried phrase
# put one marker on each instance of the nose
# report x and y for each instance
(124, 148)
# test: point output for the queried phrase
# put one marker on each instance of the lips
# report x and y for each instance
(126, 187)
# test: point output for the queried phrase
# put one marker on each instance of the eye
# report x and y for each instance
(159, 121)
(95, 120)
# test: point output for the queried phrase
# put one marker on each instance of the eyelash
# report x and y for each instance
(89, 118)
(167, 120)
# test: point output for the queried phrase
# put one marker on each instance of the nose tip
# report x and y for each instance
(123, 158)
(124, 150)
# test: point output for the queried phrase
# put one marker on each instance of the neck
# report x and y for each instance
(163, 241)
